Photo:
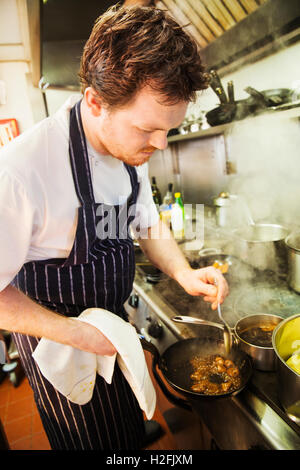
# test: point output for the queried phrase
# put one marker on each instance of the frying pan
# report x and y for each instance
(240, 109)
(273, 97)
(176, 367)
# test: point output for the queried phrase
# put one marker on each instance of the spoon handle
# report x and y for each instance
(227, 330)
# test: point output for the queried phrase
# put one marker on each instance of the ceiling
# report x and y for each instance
(207, 20)
(230, 33)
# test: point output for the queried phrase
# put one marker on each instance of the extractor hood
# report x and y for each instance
(229, 32)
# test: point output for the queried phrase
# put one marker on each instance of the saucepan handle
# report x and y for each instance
(199, 321)
(196, 321)
(150, 347)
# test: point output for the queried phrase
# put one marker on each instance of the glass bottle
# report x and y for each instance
(168, 199)
(155, 192)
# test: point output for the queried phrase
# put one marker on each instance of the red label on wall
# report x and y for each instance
(8, 130)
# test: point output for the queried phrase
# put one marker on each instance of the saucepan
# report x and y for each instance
(251, 334)
(176, 367)
(286, 346)
(262, 245)
(292, 243)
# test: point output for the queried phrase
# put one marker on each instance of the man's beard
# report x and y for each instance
(131, 161)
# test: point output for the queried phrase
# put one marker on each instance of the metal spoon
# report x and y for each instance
(227, 331)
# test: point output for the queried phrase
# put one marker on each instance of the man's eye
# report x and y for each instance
(145, 130)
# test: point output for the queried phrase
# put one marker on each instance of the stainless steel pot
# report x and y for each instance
(292, 243)
(264, 358)
(262, 245)
(288, 379)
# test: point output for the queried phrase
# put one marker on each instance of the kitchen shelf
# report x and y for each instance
(289, 111)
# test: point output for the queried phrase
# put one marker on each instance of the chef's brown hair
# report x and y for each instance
(136, 46)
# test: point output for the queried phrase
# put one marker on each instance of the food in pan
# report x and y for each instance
(214, 375)
(259, 335)
(223, 267)
(294, 363)
(289, 344)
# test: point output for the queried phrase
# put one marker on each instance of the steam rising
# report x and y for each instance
(266, 152)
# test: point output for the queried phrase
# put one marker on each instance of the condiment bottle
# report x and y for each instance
(177, 217)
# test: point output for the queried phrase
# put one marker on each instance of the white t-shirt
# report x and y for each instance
(38, 201)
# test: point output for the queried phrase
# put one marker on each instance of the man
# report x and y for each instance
(139, 70)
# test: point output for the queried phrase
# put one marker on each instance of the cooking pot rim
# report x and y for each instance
(275, 332)
(239, 233)
(288, 241)
(268, 348)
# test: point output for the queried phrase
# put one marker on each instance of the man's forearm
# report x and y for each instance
(20, 314)
(163, 251)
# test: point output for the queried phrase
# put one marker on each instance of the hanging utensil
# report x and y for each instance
(217, 87)
(230, 91)
(43, 87)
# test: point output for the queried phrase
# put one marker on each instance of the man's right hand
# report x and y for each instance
(88, 338)
(21, 314)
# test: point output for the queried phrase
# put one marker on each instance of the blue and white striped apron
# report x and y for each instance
(97, 273)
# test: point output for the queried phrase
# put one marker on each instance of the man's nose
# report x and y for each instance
(158, 139)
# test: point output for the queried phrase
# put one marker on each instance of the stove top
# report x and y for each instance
(251, 292)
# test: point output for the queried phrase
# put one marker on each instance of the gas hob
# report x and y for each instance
(256, 412)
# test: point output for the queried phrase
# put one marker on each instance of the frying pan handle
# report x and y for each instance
(257, 95)
(150, 347)
(199, 321)
(196, 321)
(217, 87)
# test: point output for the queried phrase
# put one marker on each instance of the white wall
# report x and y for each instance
(18, 105)
(23, 101)
(9, 23)
(14, 68)
(55, 98)
(265, 149)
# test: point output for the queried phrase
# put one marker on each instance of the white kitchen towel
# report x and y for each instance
(73, 372)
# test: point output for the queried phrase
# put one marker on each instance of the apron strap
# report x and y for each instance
(80, 161)
(134, 183)
(79, 157)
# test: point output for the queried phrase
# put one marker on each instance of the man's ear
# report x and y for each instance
(93, 101)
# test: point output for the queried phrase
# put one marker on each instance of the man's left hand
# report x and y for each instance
(208, 282)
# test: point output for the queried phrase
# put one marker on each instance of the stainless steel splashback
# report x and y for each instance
(197, 168)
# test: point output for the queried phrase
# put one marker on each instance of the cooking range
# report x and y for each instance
(254, 418)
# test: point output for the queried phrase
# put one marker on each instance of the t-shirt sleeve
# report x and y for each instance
(16, 222)
(146, 211)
